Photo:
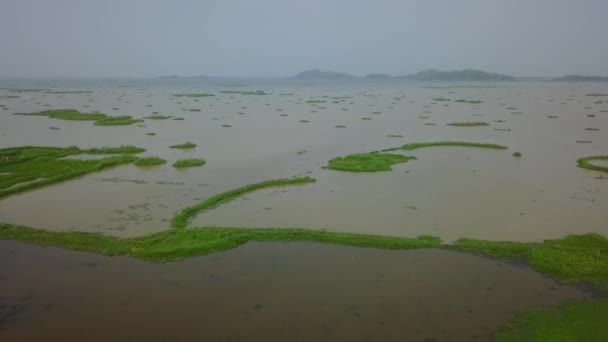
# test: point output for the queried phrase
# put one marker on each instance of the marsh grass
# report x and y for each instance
(185, 163)
(587, 163)
(31, 167)
(149, 161)
(184, 146)
(367, 162)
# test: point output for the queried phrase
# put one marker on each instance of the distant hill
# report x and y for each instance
(579, 78)
(316, 74)
(458, 75)
(377, 76)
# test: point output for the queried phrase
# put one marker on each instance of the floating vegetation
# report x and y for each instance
(70, 92)
(184, 163)
(244, 92)
(316, 101)
(149, 161)
(178, 119)
(151, 133)
(586, 163)
(340, 126)
(439, 99)
(184, 146)
(72, 114)
(468, 124)
(517, 154)
(304, 121)
(193, 95)
(394, 136)
(516, 112)
(430, 124)
(117, 121)
(376, 113)
(591, 129)
(226, 126)
(414, 146)
(596, 94)
(502, 129)
(29, 167)
(468, 101)
(157, 117)
(54, 127)
(553, 116)
(583, 141)
(366, 118)
(367, 162)
(194, 110)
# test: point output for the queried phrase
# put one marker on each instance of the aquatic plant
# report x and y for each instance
(186, 145)
(157, 117)
(193, 95)
(184, 163)
(367, 162)
(414, 146)
(586, 163)
(117, 121)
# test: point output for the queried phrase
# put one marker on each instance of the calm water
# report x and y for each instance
(447, 192)
(265, 292)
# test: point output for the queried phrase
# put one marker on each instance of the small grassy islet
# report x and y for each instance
(184, 146)
(185, 163)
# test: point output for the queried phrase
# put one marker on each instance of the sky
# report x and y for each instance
(278, 38)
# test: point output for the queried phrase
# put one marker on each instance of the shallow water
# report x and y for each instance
(266, 292)
(448, 192)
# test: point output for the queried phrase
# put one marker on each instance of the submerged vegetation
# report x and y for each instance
(149, 161)
(183, 163)
(29, 167)
(587, 163)
(367, 162)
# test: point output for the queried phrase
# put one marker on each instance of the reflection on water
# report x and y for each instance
(265, 292)
(448, 192)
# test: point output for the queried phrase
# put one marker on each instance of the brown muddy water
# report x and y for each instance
(447, 192)
(266, 292)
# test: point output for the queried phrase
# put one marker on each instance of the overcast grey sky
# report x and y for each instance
(133, 38)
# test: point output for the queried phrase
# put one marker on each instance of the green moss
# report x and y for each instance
(149, 161)
(180, 220)
(30, 167)
(575, 321)
(183, 163)
(186, 145)
(157, 117)
(586, 163)
(469, 124)
(414, 146)
(367, 162)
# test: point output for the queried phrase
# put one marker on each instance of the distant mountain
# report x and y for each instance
(579, 78)
(377, 76)
(316, 74)
(458, 75)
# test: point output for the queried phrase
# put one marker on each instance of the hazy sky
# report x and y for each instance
(82, 38)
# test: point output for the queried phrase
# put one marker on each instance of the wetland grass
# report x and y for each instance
(117, 121)
(367, 162)
(185, 163)
(184, 146)
(587, 163)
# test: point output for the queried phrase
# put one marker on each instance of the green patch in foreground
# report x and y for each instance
(184, 163)
(367, 162)
(575, 321)
(587, 163)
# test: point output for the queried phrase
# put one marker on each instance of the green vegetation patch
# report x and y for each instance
(414, 146)
(30, 167)
(367, 162)
(149, 161)
(468, 124)
(180, 220)
(184, 146)
(117, 121)
(575, 321)
(587, 163)
(184, 163)
(468, 101)
(157, 117)
(244, 92)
